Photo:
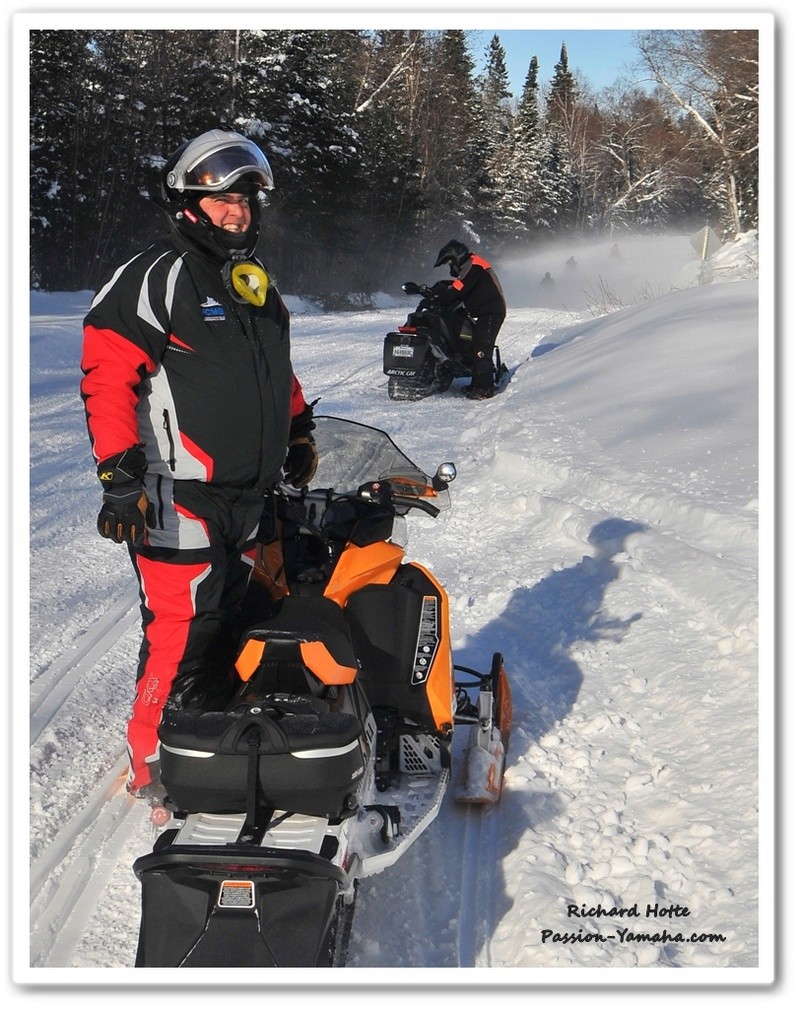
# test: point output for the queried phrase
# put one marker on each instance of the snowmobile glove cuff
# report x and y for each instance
(301, 462)
(126, 514)
(123, 467)
(302, 425)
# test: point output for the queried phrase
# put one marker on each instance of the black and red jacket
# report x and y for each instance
(478, 288)
(173, 362)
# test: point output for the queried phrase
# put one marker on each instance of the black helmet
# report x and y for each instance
(455, 253)
(219, 161)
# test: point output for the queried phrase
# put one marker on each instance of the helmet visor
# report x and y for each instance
(217, 170)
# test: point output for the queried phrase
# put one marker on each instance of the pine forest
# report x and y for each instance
(384, 145)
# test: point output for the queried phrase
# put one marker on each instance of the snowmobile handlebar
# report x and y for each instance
(385, 492)
(411, 287)
(388, 493)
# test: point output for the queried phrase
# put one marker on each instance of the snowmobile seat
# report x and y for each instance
(303, 648)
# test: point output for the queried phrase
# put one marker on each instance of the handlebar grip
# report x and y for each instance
(425, 506)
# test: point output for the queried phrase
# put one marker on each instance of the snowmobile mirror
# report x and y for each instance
(445, 474)
(410, 287)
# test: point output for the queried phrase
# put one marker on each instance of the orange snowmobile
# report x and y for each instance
(335, 751)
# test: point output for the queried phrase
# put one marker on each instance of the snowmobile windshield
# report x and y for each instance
(352, 454)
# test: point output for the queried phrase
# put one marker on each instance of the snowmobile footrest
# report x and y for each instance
(391, 821)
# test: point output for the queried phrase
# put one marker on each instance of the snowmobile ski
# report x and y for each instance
(481, 780)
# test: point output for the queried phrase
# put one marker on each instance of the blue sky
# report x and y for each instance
(598, 55)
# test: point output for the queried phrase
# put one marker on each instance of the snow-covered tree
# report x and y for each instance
(452, 162)
(304, 120)
(711, 77)
(645, 165)
(558, 178)
(391, 156)
(499, 208)
(384, 144)
(563, 93)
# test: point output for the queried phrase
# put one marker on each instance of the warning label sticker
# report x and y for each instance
(237, 893)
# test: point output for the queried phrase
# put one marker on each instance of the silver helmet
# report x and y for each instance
(214, 162)
(218, 161)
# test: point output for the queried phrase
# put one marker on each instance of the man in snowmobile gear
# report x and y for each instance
(191, 404)
(477, 287)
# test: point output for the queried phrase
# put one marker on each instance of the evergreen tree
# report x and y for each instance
(390, 160)
(527, 122)
(498, 209)
(452, 158)
(559, 180)
(563, 94)
(63, 77)
(556, 188)
(522, 182)
(307, 127)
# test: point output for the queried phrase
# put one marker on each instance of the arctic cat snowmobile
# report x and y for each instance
(334, 752)
(433, 347)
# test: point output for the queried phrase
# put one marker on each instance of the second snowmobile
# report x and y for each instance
(335, 750)
(432, 348)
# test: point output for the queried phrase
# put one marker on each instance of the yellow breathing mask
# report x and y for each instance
(250, 282)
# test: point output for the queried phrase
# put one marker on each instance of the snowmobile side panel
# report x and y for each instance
(401, 633)
(435, 651)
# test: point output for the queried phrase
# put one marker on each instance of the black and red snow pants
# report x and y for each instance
(192, 571)
(487, 326)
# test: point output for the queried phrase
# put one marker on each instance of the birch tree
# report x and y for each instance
(711, 77)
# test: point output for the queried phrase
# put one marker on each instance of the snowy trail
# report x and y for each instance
(613, 565)
(68, 879)
(54, 686)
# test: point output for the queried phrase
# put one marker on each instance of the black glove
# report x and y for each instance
(126, 512)
(301, 462)
(441, 286)
(125, 515)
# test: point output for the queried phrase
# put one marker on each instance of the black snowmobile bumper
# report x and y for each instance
(211, 906)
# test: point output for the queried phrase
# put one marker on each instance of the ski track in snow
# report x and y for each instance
(578, 575)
